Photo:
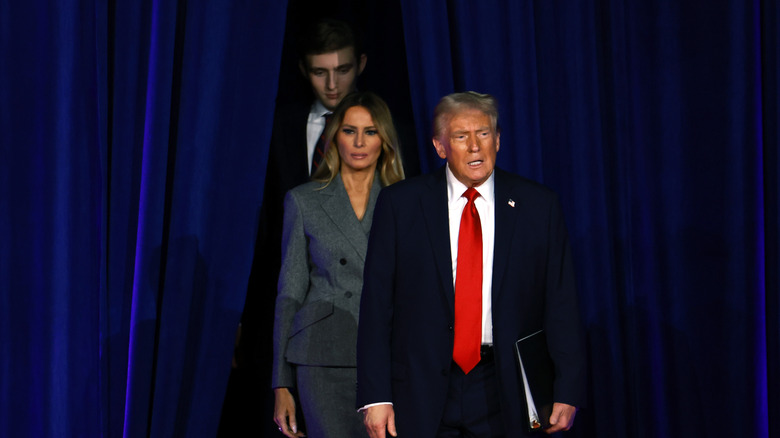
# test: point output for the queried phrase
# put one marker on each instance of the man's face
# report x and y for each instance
(333, 75)
(469, 144)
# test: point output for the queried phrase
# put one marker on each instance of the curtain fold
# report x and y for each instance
(133, 147)
(195, 184)
(429, 61)
(50, 220)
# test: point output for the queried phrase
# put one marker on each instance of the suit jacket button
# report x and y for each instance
(343, 261)
(444, 372)
(450, 328)
(348, 294)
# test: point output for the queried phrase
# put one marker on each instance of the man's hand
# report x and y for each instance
(562, 418)
(284, 413)
(378, 419)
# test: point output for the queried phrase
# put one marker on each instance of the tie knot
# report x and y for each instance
(471, 194)
(327, 116)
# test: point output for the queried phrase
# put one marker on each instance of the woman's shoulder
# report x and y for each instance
(308, 189)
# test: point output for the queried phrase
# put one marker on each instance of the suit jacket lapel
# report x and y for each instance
(435, 210)
(506, 210)
(338, 208)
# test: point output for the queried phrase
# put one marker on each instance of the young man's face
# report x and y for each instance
(333, 75)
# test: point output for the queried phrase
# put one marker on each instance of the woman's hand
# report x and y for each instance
(284, 413)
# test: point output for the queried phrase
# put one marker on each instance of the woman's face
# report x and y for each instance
(359, 141)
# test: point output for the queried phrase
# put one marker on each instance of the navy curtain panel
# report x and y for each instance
(133, 143)
(657, 123)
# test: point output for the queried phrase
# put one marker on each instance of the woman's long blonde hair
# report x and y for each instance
(389, 164)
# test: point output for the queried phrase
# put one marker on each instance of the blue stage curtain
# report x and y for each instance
(657, 124)
(133, 143)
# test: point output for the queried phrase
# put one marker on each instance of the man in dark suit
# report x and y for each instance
(461, 263)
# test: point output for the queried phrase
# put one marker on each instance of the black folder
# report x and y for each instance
(534, 358)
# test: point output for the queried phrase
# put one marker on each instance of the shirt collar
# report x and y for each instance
(318, 109)
(455, 188)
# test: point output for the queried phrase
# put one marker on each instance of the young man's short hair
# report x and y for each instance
(326, 36)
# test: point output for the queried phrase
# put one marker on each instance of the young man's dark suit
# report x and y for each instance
(405, 336)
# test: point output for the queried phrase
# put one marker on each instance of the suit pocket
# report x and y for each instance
(310, 314)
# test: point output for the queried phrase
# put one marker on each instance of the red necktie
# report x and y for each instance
(319, 149)
(468, 287)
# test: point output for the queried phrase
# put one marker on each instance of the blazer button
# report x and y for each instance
(348, 294)
(450, 328)
(444, 372)
(343, 261)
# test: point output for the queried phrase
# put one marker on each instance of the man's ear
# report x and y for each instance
(498, 142)
(440, 149)
(362, 63)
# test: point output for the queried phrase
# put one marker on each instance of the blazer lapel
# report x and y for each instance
(339, 210)
(435, 210)
(507, 210)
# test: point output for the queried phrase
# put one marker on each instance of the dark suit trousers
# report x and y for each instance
(472, 408)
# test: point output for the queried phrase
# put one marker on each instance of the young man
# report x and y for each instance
(331, 61)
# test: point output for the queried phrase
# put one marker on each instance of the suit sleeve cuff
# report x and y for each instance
(374, 404)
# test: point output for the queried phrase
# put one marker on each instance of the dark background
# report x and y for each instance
(133, 137)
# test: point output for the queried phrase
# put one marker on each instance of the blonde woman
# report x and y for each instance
(324, 242)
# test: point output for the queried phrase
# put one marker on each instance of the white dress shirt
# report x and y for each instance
(485, 204)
